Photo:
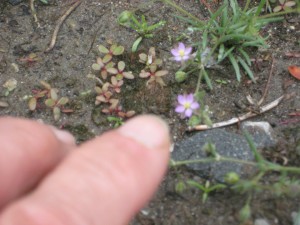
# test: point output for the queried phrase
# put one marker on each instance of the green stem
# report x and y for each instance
(209, 160)
(199, 80)
(279, 13)
(247, 5)
(171, 3)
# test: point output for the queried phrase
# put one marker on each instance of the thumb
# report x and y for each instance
(105, 182)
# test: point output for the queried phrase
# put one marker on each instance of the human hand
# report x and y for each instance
(47, 180)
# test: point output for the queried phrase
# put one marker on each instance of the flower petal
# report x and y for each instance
(179, 109)
(175, 52)
(185, 57)
(181, 46)
(188, 113)
(195, 105)
(178, 58)
(190, 98)
(188, 50)
(181, 99)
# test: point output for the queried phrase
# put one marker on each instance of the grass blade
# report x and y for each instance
(235, 66)
(246, 56)
(246, 68)
(207, 79)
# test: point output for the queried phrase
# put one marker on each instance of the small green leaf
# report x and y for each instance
(118, 50)
(161, 73)
(128, 75)
(121, 66)
(103, 49)
(107, 58)
(245, 213)
(63, 101)
(112, 70)
(53, 94)
(136, 44)
(56, 113)
(180, 187)
(50, 102)
(96, 66)
(124, 17)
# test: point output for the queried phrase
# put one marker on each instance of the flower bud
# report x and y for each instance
(124, 17)
(232, 178)
(180, 76)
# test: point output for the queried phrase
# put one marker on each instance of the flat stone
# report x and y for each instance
(227, 144)
(15, 2)
(262, 133)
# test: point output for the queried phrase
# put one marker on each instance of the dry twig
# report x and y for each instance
(240, 118)
(59, 23)
(267, 85)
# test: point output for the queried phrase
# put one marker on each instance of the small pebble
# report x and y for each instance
(261, 222)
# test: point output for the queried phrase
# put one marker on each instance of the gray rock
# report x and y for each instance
(262, 133)
(15, 2)
(261, 222)
(227, 144)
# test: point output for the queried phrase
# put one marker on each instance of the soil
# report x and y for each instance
(67, 66)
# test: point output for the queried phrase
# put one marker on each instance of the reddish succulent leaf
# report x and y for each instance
(294, 71)
(32, 104)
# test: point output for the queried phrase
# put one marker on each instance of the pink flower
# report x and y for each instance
(181, 53)
(186, 105)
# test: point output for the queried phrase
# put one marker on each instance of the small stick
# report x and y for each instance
(240, 118)
(33, 12)
(267, 85)
(59, 23)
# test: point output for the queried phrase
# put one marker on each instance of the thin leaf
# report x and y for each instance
(227, 53)
(246, 56)
(207, 79)
(136, 44)
(235, 66)
(246, 68)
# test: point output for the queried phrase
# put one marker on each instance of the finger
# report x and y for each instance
(105, 182)
(29, 150)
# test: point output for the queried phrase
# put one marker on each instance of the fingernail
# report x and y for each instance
(64, 136)
(150, 131)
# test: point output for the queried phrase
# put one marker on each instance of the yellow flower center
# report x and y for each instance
(181, 52)
(187, 105)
